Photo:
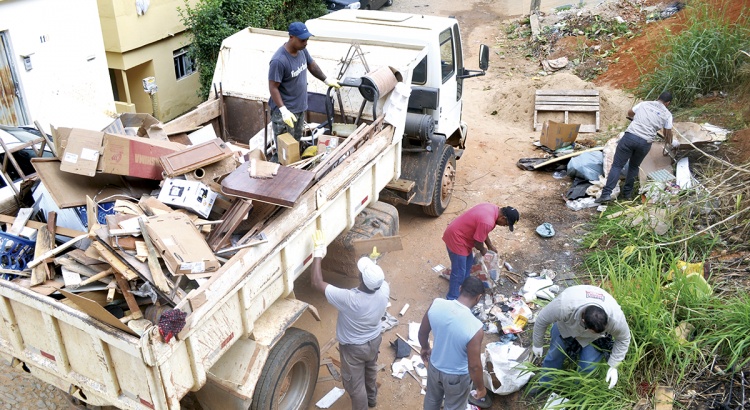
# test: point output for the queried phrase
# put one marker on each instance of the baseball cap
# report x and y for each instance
(512, 215)
(372, 274)
(299, 29)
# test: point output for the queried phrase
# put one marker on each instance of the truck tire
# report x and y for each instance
(288, 379)
(443, 192)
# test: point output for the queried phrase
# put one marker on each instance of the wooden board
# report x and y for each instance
(284, 189)
(384, 244)
(568, 101)
(36, 225)
(663, 398)
(195, 157)
(194, 119)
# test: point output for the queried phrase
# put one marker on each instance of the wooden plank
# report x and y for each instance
(571, 155)
(115, 262)
(326, 347)
(573, 108)
(567, 99)
(283, 189)
(663, 398)
(44, 243)
(221, 236)
(194, 157)
(567, 92)
(52, 252)
(401, 185)
(160, 281)
(384, 244)
(194, 119)
(92, 214)
(36, 225)
(124, 286)
(23, 216)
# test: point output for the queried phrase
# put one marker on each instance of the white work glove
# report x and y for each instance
(537, 351)
(675, 143)
(611, 377)
(319, 251)
(332, 83)
(287, 116)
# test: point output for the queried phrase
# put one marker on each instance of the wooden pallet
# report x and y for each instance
(567, 101)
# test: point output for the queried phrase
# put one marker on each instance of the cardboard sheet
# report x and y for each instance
(97, 311)
(81, 155)
(134, 156)
(182, 247)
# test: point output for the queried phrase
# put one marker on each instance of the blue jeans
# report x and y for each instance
(460, 270)
(555, 358)
(630, 148)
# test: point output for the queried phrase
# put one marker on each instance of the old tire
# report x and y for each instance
(288, 379)
(444, 182)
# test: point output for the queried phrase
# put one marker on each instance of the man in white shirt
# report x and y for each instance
(648, 118)
(358, 328)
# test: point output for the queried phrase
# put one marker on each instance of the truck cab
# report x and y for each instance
(435, 134)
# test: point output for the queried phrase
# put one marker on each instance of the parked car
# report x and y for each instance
(334, 5)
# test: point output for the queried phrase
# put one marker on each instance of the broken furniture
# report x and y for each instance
(567, 101)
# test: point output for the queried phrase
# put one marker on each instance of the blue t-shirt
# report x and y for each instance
(291, 72)
(453, 325)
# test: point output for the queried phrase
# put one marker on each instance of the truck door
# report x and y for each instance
(450, 89)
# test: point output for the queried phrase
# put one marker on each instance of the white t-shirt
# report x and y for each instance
(359, 313)
(650, 117)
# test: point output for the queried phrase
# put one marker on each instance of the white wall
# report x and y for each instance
(69, 83)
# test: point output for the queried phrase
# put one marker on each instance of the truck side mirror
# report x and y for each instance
(484, 57)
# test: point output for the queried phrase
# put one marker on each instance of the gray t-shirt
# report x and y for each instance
(359, 313)
(650, 117)
(291, 72)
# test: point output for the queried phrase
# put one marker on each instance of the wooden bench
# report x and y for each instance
(568, 101)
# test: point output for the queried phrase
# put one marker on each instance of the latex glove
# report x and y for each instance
(287, 116)
(611, 377)
(332, 83)
(537, 351)
(675, 143)
(319, 251)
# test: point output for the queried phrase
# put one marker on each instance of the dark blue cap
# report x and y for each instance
(299, 30)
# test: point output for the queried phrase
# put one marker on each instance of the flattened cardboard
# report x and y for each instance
(69, 190)
(137, 124)
(182, 247)
(97, 311)
(134, 156)
(81, 155)
(288, 149)
(655, 160)
(556, 135)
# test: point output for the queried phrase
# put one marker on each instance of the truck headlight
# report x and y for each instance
(353, 6)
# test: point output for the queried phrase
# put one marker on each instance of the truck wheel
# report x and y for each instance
(288, 379)
(441, 195)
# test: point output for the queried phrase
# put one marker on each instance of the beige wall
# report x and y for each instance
(124, 30)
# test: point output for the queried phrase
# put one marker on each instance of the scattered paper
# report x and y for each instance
(330, 398)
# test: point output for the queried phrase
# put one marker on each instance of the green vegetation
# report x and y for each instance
(704, 57)
(211, 21)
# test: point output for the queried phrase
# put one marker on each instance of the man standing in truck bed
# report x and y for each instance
(472, 230)
(358, 328)
(287, 82)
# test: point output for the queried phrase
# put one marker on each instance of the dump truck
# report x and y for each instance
(238, 348)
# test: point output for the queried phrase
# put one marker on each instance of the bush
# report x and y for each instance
(209, 22)
(704, 57)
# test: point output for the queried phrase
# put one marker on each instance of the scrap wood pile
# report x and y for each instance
(130, 221)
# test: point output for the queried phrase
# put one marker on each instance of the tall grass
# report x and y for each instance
(704, 57)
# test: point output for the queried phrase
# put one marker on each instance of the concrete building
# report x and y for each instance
(146, 41)
(53, 68)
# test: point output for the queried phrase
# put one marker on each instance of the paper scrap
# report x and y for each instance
(330, 398)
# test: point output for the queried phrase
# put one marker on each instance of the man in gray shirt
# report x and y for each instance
(287, 82)
(648, 118)
(582, 314)
(358, 326)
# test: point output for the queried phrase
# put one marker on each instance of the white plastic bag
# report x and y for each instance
(503, 374)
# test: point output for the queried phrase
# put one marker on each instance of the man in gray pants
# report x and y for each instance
(648, 118)
(358, 326)
(455, 360)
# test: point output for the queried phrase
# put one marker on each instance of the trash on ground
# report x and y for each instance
(545, 230)
(330, 398)
(555, 401)
(503, 370)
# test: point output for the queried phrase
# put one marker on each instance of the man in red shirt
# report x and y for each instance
(471, 230)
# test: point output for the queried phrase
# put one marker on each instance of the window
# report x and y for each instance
(447, 67)
(183, 64)
(419, 76)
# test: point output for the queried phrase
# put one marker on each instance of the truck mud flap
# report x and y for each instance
(422, 168)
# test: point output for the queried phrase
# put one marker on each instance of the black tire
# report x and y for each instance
(388, 3)
(446, 177)
(288, 379)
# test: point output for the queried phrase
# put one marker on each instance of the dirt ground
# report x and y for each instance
(499, 111)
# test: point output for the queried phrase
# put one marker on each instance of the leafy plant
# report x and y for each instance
(211, 21)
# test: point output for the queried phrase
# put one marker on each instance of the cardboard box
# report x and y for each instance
(557, 135)
(134, 156)
(81, 154)
(181, 245)
(288, 149)
(137, 125)
(192, 195)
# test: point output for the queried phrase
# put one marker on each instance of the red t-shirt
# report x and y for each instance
(474, 225)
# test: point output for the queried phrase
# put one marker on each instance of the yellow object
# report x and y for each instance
(375, 254)
(687, 268)
(310, 151)
(693, 273)
(318, 239)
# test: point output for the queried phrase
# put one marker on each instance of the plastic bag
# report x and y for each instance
(486, 267)
(503, 373)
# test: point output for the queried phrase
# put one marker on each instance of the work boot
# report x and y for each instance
(603, 199)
